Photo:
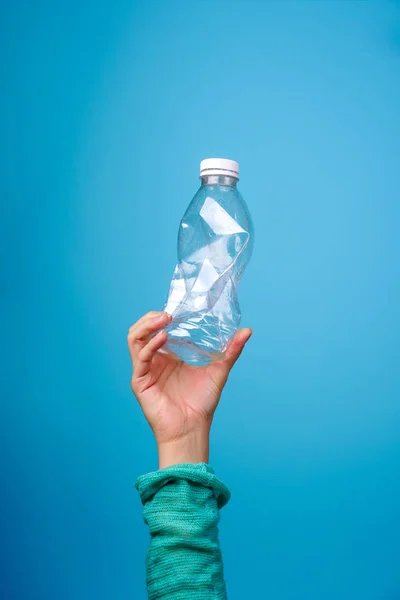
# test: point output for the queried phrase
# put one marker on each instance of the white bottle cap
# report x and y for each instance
(219, 166)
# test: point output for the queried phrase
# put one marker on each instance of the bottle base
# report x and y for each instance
(189, 353)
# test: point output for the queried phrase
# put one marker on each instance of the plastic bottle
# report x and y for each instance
(215, 243)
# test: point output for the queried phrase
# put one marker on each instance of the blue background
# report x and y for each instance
(106, 110)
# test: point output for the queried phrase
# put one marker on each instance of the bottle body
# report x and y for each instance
(215, 242)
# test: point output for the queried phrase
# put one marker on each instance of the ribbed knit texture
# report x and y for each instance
(181, 508)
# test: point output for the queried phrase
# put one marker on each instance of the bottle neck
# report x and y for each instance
(218, 180)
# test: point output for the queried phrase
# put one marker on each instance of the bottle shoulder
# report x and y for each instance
(219, 200)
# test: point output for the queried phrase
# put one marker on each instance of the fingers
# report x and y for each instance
(150, 315)
(145, 356)
(143, 328)
(235, 348)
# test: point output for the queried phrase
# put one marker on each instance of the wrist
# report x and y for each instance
(191, 448)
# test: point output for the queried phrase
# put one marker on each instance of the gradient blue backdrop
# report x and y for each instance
(106, 110)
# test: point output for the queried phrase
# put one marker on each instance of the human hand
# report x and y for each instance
(178, 400)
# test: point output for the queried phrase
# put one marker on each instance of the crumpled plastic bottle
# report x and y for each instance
(215, 243)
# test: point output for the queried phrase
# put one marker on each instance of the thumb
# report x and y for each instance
(236, 346)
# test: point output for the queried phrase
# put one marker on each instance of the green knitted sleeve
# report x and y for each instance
(181, 508)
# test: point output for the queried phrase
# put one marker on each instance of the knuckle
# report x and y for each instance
(134, 384)
(131, 338)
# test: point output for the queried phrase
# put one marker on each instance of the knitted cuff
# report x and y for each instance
(201, 474)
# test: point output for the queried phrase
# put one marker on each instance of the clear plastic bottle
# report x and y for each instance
(215, 243)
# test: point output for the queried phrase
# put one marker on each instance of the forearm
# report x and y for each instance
(181, 508)
(192, 448)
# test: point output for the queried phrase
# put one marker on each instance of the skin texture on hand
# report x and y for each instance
(177, 399)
